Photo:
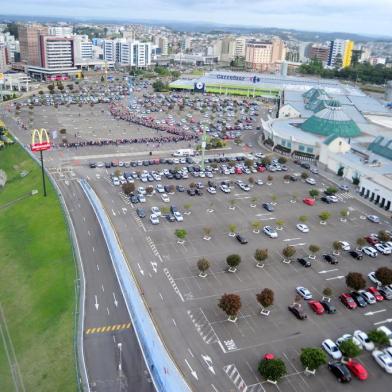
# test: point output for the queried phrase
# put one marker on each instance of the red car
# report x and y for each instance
(348, 301)
(316, 307)
(372, 240)
(357, 369)
(238, 170)
(376, 294)
(309, 201)
(261, 169)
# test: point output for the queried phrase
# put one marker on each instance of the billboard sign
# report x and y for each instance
(40, 140)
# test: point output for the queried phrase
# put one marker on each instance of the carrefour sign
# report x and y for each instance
(252, 79)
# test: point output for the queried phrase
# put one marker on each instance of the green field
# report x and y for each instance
(37, 277)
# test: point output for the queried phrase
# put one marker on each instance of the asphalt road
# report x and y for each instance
(107, 324)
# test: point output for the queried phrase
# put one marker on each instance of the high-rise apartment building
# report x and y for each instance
(340, 53)
(240, 47)
(3, 57)
(263, 55)
(83, 48)
(57, 52)
(163, 44)
(60, 31)
(319, 52)
(133, 53)
(29, 41)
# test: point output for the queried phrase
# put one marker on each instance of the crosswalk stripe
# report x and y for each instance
(108, 328)
(129, 325)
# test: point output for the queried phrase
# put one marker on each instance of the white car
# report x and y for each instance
(374, 218)
(382, 248)
(311, 181)
(154, 219)
(366, 343)
(165, 198)
(387, 332)
(314, 170)
(372, 277)
(368, 297)
(141, 198)
(160, 188)
(122, 180)
(302, 227)
(178, 216)
(345, 245)
(347, 336)
(259, 182)
(333, 198)
(245, 187)
(383, 359)
(211, 190)
(304, 292)
(370, 251)
(155, 211)
(270, 231)
(388, 351)
(116, 181)
(141, 190)
(224, 188)
(331, 349)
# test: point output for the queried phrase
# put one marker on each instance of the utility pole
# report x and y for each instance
(203, 147)
(43, 172)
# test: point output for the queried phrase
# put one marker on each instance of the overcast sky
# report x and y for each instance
(355, 16)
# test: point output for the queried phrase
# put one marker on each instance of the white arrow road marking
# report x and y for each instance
(336, 277)
(375, 312)
(383, 322)
(96, 302)
(124, 210)
(154, 266)
(140, 268)
(194, 374)
(208, 361)
(299, 244)
(326, 271)
(115, 300)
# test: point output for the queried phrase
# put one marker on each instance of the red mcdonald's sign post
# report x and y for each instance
(40, 142)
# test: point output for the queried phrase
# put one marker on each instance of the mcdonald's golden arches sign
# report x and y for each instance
(40, 140)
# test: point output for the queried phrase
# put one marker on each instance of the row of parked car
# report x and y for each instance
(343, 368)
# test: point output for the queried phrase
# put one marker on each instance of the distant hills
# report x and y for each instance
(205, 27)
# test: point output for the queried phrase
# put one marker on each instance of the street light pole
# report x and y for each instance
(119, 345)
(43, 173)
(203, 147)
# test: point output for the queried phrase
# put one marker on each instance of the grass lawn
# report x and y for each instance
(36, 280)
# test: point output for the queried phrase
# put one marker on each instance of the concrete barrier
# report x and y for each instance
(164, 372)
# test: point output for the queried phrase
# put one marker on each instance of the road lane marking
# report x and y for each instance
(375, 312)
(336, 277)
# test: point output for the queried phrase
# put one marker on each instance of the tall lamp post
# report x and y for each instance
(119, 345)
(41, 145)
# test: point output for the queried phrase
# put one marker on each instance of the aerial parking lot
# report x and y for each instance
(210, 218)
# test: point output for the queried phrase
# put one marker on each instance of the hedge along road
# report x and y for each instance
(37, 294)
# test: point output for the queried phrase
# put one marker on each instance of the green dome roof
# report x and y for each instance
(331, 120)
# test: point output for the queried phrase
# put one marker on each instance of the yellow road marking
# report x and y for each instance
(107, 328)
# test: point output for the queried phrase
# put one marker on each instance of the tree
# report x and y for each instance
(324, 216)
(349, 348)
(312, 358)
(203, 265)
(50, 87)
(232, 228)
(128, 188)
(280, 224)
(40, 92)
(102, 79)
(314, 193)
(289, 251)
(160, 86)
(361, 242)
(188, 207)
(270, 178)
(265, 298)
(181, 234)
(286, 177)
(272, 369)
(282, 160)
(266, 161)
(384, 275)
(171, 188)
(256, 226)
(207, 232)
(327, 291)
(60, 87)
(379, 338)
(344, 214)
(251, 180)
(231, 305)
(337, 246)
(232, 203)
(233, 261)
(249, 162)
(355, 280)
(383, 236)
(117, 172)
(303, 218)
(331, 190)
(149, 190)
(313, 249)
(304, 175)
(274, 198)
(261, 255)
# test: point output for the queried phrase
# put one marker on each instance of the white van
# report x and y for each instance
(185, 152)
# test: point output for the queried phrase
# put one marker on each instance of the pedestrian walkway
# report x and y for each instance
(108, 328)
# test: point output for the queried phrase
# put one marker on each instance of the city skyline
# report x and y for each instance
(324, 16)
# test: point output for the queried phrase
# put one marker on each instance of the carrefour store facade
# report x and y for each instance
(229, 83)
